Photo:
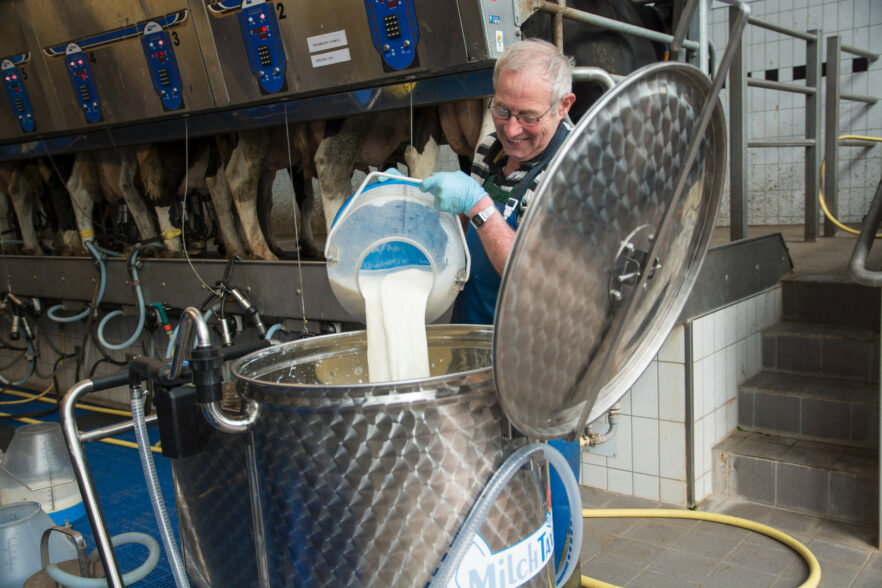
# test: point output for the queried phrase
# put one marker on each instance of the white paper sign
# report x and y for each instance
(326, 41)
(331, 57)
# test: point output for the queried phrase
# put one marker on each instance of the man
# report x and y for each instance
(533, 83)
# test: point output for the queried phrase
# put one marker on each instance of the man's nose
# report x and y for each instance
(513, 126)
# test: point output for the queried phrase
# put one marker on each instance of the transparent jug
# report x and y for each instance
(36, 467)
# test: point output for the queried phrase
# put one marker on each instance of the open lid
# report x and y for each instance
(609, 249)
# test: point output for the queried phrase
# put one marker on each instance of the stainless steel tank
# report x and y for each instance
(360, 484)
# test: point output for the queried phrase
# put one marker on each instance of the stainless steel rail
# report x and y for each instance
(831, 130)
(857, 267)
(86, 484)
(612, 24)
(739, 142)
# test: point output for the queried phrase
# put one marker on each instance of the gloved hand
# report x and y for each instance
(391, 171)
(454, 192)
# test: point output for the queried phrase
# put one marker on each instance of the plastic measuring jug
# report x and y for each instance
(388, 226)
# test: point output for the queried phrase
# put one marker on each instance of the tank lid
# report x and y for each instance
(609, 249)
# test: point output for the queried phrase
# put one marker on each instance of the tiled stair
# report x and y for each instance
(809, 422)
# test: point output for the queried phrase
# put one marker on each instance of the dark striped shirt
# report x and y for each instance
(490, 158)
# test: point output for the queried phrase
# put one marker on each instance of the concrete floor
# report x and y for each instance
(662, 553)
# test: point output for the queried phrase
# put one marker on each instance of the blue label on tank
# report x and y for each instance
(495, 20)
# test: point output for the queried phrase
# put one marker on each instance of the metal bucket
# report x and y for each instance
(359, 484)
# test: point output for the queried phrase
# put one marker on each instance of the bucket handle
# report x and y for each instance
(78, 539)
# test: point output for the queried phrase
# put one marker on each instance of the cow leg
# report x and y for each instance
(334, 160)
(136, 204)
(306, 206)
(22, 194)
(243, 177)
(422, 157)
(82, 200)
(67, 240)
(7, 224)
(223, 208)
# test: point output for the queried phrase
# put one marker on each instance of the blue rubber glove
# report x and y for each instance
(392, 171)
(454, 192)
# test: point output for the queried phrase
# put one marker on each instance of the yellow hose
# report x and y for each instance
(823, 202)
(814, 576)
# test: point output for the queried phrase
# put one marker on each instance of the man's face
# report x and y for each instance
(526, 92)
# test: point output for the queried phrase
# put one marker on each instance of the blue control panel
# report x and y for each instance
(260, 32)
(83, 80)
(18, 95)
(162, 64)
(394, 31)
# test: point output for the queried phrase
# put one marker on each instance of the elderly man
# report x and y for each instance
(533, 83)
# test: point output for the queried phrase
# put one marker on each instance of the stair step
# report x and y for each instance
(822, 349)
(819, 478)
(832, 410)
(830, 299)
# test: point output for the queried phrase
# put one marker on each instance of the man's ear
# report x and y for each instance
(567, 102)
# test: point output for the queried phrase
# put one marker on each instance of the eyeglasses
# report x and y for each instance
(527, 120)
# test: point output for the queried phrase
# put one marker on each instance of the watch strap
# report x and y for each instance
(481, 217)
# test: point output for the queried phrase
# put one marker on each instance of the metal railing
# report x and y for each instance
(835, 48)
(739, 142)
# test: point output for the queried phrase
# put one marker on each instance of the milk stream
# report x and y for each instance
(395, 316)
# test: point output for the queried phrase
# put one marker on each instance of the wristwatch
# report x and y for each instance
(480, 218)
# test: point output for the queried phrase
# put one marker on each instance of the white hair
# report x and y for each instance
(539, 55)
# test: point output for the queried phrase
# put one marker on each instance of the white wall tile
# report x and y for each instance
(698, 345)
(672, 491)
(731, 370)
(593, 458)
(646, 486)
(731, 326)
(672, 391)
(619, 481)
(674, 348)
(754, 350)
(704, 484)
(594, 476)
(699, 488)
(625, 403)
(740, 320)
(624, 446)
(697, 445)
(720, 326)
(707, 444)
(644, 393)
(645, 445)
(698, 390)
(731, 415)
(707, 386)
(720, 378)
(720, 430)
(672, 450)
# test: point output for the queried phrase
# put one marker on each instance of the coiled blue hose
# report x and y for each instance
(32, 362)
(52, 313)
(65, 579)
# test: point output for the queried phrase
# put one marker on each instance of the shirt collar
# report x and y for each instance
(497, 157)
